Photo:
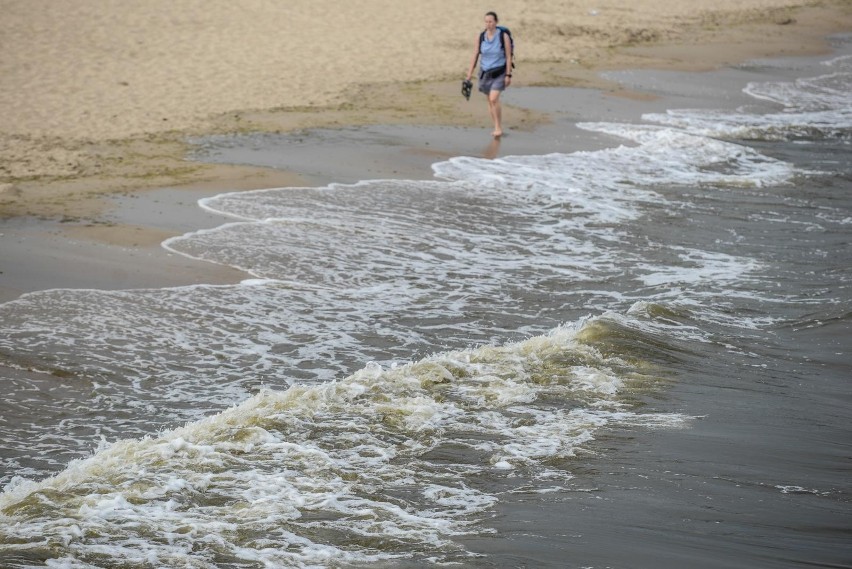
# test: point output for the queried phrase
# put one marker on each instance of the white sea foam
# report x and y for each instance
(813, 107)
(668, 157)
(258, 481)
(697, 267)
(779, 126)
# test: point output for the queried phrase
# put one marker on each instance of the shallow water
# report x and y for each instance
(518, 362)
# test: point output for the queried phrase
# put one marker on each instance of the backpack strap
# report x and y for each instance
(503, 33)
(502, 39)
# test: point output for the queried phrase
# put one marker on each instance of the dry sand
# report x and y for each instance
(98, 97)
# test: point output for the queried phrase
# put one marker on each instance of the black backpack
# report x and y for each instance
(504, 33)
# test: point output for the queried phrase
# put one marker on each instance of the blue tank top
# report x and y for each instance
(492, 51)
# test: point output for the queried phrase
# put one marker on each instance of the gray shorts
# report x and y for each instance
(488, 82)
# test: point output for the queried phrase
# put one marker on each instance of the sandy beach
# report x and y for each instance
(99, 102)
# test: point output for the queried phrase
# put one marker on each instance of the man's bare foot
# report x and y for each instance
(497, 133)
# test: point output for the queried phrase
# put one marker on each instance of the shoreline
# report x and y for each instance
(724, 312)
(82, 230)
(34, 181)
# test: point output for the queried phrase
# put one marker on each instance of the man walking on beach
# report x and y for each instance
(495, 46)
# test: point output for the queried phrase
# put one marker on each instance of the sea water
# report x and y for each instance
(406, 356)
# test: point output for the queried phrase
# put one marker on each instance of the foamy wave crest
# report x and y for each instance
(825, 92)
(778, 126)
(576, 181)
(812, 108)
(381, 465)
(668, 156)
